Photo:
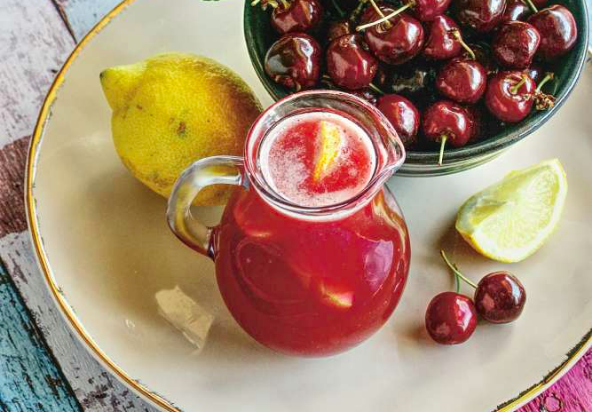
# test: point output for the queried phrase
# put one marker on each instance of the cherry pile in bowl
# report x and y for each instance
(445, 73)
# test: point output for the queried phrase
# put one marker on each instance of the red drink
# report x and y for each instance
(312, 286)
(317, 159)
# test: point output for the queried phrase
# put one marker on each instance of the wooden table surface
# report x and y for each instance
(42, 366)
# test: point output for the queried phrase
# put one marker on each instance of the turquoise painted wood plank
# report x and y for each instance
(81, 15)
(29, 377)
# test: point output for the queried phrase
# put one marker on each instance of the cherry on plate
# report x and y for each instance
(515, 44)
(442, 44)
(558, 31)
(292, 16)
(348, 64)
(294, 61)
(451, 318)
(480, 15)
(446, 122)
(462, 80)
(402, 114)
(394, 41)
(500, 297)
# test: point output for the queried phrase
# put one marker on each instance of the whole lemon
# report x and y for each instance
(173, 109)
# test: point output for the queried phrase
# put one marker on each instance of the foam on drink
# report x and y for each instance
(317, 158)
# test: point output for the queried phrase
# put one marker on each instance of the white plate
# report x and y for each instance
(104, 246)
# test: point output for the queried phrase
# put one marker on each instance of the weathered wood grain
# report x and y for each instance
(13, 158)
(29, 378)
(96, 390)
(81, 15)
(33, 45)
(34, 42)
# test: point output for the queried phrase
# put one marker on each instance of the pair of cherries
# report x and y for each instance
(451, 317)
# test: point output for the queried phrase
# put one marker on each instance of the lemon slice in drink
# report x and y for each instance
(512, 219)
(329, 148)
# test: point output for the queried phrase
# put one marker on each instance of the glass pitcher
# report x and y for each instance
(306, 281)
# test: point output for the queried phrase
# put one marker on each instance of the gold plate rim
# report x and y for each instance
(572, 357)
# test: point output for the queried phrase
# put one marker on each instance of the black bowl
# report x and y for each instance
(260, 36)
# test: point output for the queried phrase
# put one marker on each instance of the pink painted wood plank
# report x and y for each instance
(572, 393)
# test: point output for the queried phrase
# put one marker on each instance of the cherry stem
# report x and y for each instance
(442, 146)
(376, 8)
(272, 3)
(532, 6)
(339, 9)
(354, 15)
(514, 89)
(375, 89)
(385, 19)
(457, 279)
(456, 271)
(465, 46)
(548, 76)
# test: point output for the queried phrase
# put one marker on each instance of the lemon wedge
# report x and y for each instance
(512, 219)
(329, 148)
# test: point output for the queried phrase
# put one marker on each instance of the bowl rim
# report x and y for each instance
(482, 148)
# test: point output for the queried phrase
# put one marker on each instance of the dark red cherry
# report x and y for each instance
(296, 15)
(558, 31)
(348, 64)
(446, 122)
(367, 95)
(535, 72)
(462, 80)
(480, 15)
(540, 3)
(478, 116)
(516, 10)
(396, 41)
(337, 29)
(402, 114)
(482, 53)
(515, 44)
(442, 44)
(500, 297)
(294, 61)
(451, 318)
(510, 96)
(428, 10)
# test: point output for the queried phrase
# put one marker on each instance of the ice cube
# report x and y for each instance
(185, 314)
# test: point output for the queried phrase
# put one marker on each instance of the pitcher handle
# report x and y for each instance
(224, 170)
